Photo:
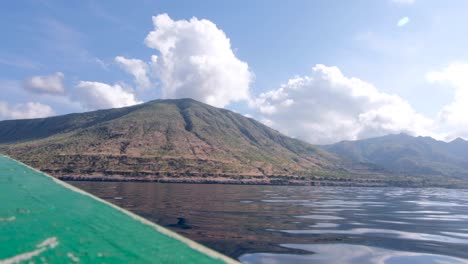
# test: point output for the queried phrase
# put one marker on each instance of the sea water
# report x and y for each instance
(290, 224)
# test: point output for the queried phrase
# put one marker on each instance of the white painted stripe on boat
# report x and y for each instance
(192, 244)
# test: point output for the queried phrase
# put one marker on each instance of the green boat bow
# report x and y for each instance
(45, 220)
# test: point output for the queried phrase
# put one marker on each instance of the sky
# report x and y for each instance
(322, 71)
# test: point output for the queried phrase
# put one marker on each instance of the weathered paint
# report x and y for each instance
(45, 220)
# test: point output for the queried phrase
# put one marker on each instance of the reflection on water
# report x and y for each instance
(284, 224)
(344, 253)
(376, 232)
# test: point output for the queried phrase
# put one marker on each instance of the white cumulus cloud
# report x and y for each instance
(327, 107)
(47, 84)
(196, 60)
(137, 68)
(25, 111)
(455, 114)
(97, 95)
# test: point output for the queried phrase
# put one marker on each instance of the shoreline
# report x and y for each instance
(261, 181)
(123, 172)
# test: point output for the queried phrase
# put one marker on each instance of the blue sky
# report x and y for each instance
(58, 57)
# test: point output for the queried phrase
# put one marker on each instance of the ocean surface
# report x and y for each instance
(284, 224)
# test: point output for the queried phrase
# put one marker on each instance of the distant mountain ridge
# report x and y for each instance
(404, 154)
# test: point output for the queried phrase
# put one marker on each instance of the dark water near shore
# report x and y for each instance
(283, 224)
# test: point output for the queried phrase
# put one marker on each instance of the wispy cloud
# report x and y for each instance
(104, 65)
(403, 21)
(102, 13)
(64, 38)
(18, 62)
(138, 68)
(391, 44)
(403, 2)
(65, 42)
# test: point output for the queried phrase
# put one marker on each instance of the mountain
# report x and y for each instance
(404, 154)
(158, 140)
(183, 140)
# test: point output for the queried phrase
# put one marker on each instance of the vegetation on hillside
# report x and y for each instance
(184, 140)
(163, 136)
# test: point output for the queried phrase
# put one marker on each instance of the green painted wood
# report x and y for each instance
(44, 220)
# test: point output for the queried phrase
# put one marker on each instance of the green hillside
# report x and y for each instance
(184, 140)
(160, 138)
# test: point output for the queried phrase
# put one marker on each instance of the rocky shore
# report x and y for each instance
(257, 180)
